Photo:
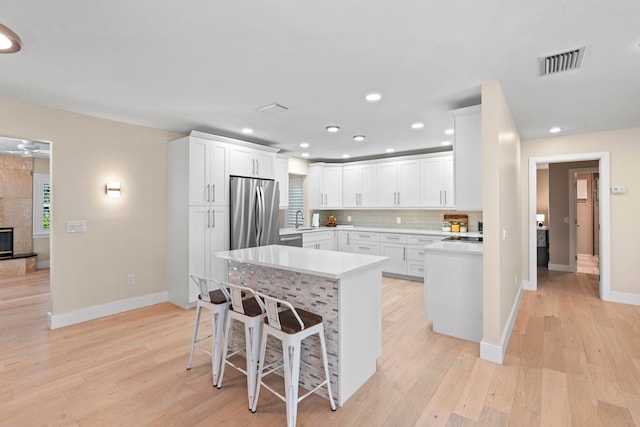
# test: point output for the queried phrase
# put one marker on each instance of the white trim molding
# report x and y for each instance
(561, 267)
(103, 310)
(623, 297)
(495, 353)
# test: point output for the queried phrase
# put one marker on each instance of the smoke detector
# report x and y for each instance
(272, 108)
(561, 62)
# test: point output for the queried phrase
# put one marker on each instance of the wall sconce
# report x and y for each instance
(113, 189)
(540, 219)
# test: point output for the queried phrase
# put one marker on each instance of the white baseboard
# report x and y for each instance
(560, 267)
(527, 286)
(622, 297)
(103, 310)
(42, 264)
(495, 353)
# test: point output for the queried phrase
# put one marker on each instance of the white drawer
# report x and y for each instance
(316, 236)
(363, 236)
(394, 238)
(415, 268)
(415, 253)
(369, 248)
(414, 239)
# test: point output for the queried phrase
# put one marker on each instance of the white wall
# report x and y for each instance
(502, 248)
(125, 235)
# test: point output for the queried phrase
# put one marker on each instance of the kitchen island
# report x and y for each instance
(344, 288)
(453, 289)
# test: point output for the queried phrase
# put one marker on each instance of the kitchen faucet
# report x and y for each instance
(301, 217)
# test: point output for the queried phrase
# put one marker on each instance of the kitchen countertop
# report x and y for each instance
(285, 231)
(331, 264)
(455, 247)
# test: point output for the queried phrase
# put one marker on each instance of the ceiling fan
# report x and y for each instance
(22, 147)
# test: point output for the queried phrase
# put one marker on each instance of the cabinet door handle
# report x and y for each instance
(209, 219)
(325, 199)
(364, 247)
(257, 167)
(213, 193)
(348, 239)
(441, 197)
(398, 197)
(213, 218)
(404, 254)
(445, 196)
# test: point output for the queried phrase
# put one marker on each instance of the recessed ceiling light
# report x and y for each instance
(417, 125)
(449, 132)
(359, 138)
(445, 143)
(555, 129)
(333, 129)
(304, 145)
(373, 97)
(247, 131)
(389, 150)
(9, 41)
(345, 156)
(305, 154)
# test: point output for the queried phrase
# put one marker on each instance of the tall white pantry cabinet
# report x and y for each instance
(197, 214)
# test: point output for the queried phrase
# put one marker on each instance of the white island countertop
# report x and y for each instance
(317, 262)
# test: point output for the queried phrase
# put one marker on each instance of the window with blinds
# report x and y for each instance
(295, 198)
(41, 205)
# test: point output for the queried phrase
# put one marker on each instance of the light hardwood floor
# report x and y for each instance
(572, 360)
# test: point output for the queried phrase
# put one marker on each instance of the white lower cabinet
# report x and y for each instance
(394, 247)
(416, 253)
(319, 240)
(365, 243)
(344, 241)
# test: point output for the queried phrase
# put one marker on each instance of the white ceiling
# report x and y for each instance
(208, 65)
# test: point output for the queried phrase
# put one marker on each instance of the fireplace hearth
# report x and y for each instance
(6, 242)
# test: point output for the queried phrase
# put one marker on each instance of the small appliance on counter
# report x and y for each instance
(480, 227)
(315, 220)
(455, 223)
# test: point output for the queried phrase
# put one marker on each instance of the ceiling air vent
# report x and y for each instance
(560, 62)
(272, 109)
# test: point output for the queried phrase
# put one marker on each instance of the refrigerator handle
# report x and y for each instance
(258, 216)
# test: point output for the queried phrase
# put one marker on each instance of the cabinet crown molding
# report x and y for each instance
(212, 137)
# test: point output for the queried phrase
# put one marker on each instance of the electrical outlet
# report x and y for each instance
(131, 279)
(398, 220)
(348, 218)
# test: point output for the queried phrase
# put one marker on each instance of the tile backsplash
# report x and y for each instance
(416, 219)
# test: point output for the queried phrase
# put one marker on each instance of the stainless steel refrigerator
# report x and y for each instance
(254, 211)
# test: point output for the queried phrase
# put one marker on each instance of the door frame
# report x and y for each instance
(604, 213)
(573, 216)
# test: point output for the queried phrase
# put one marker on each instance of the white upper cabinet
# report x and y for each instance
(282, 177)
(208, 171)
(246, 161)
(398, 183)
(468, 158)
(437, 182)
(359, 186)
(325, 186)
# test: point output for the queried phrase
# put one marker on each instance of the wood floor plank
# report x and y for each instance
(555, 410)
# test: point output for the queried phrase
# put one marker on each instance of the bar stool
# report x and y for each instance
(251, 312)
(214, 298)
(291, 326)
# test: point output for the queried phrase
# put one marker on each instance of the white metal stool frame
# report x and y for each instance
(291, 343)
(218, 311)
(252, 330)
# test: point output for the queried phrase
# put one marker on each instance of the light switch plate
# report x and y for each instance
(77, 226)
(618, 189)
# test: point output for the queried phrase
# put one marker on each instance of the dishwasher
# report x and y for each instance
(294, 239)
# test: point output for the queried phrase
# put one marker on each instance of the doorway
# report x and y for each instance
(603, 171)
(584, 218)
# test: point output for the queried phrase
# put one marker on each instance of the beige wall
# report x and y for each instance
(559, 198)
(502, 268)
(542, 197)
(41, 245)
(125, 235)
(624, 148)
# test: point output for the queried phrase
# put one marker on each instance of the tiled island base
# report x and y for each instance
(315, 294)
(344, 288)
